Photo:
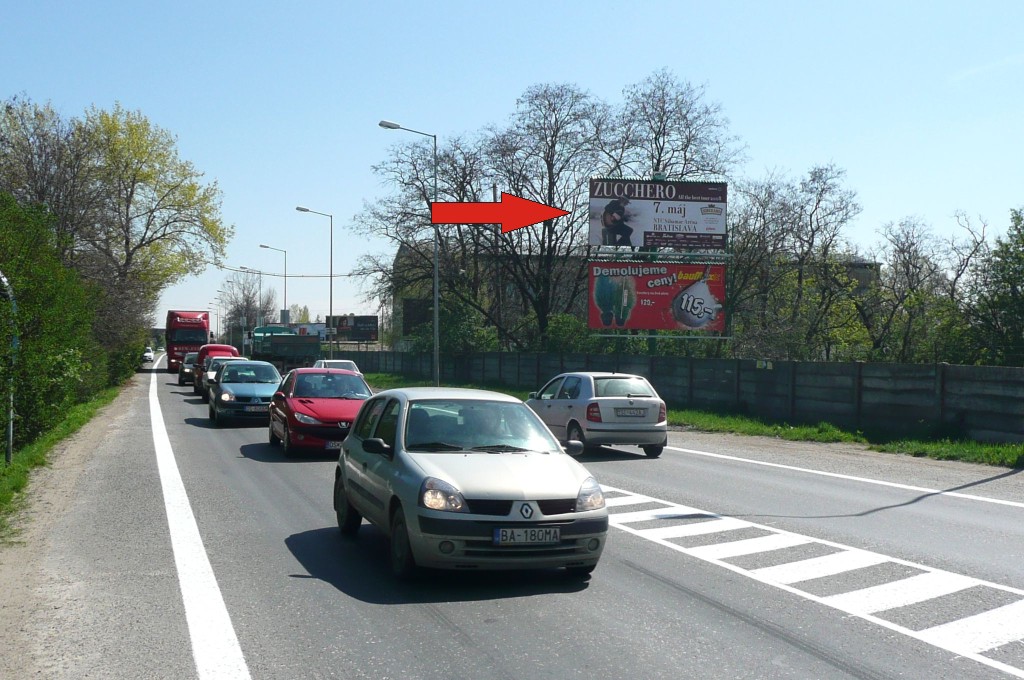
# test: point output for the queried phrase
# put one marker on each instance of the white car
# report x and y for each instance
(599, 408)
(147, 354)
(344, 364)
(467, 479)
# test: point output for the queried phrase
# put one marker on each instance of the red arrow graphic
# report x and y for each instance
(512, 213)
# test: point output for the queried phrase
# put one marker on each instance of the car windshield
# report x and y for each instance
(475, 425)
(622, 386)
(249, 373)
(330, 386)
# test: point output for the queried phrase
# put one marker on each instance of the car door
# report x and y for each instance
(279, 405)
(378, 468)
(356, 462)
(568, 405)
(543, 405)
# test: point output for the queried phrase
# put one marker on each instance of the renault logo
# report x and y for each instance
(526, 511)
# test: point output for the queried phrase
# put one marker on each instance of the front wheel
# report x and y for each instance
(403, 564)
(574, 431)
(349, 518)
(286, 442)
(271, 437)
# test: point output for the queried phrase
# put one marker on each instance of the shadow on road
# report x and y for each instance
(266, 452)
(609, 455)
(360, 568)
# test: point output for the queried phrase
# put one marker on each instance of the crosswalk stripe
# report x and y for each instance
(721, 551)
(619, 501)
(828, 565)
(900, 593)
(980, 632)
(711, 526)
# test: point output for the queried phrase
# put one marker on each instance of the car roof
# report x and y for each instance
(251, 362)
(422, 393)
(321, 370)
(603, 374)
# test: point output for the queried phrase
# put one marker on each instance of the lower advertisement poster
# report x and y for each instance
(645, 296)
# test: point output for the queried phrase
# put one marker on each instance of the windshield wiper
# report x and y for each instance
(499, 448)
(434, 446)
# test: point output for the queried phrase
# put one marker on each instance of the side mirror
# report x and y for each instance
(531, 395)
(378, 446)
(574, 447)
(279, 395)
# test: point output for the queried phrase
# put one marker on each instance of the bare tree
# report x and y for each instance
(669, 126)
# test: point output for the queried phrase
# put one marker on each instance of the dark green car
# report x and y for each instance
(242, 390)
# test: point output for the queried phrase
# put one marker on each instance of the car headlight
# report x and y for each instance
(590, 496)
(227, 396)
(437, 494)
(308, 420)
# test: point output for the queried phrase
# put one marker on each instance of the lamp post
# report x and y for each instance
(330, 303)
(389, 125)
(221, 300)
(285, 276)
(259, 303)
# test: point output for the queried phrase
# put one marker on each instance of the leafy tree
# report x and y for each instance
(998, 302)
(58, 363)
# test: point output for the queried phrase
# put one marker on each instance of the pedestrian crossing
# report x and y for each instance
(963, 615)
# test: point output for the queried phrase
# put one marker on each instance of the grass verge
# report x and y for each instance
(1003, 455)
(14, 477)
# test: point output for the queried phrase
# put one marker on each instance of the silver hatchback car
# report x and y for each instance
(467, 479)
(599, 408)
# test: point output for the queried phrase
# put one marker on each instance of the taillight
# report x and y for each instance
(594, 413)
(662, 413)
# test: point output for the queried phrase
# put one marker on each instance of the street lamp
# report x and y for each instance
(259, 303)
(389, 125)
(285, 275)
(330, 308)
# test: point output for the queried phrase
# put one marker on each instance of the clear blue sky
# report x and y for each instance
(920, 102)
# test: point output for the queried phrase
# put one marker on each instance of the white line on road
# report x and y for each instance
(895, 485)
(215, 646)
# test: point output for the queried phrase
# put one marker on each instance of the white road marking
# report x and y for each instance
(878, 482)
(966, 637)
(215, 647)
(816, 567)
(901, 593)
(722, 551)
(980, 632)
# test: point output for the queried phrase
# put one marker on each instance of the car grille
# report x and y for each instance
(323, 432)
(482, 506)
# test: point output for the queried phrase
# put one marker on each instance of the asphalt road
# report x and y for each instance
(729, 557)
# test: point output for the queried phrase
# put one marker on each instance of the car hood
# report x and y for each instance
(327, 410)
(250, 389)
(507, 476)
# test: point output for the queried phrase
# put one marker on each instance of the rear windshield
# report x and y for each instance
(621, 386)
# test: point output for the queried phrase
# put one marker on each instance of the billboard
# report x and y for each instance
(635, 213)
(650, 296)
(364, 329)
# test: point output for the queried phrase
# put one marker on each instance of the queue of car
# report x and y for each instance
(456, 478)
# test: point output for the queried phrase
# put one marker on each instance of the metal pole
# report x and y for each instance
(330, 303)
(8, 292)
(437, 287)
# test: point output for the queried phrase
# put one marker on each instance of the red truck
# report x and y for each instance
(186, 331)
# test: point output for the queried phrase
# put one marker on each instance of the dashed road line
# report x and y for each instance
(970, 637)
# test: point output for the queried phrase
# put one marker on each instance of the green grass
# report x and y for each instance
(15, 477)
(1004, 455)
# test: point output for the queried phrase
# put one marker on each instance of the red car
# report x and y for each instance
(313, 409)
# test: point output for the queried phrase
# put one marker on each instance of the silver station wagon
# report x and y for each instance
(467, 479)
(599, 408)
